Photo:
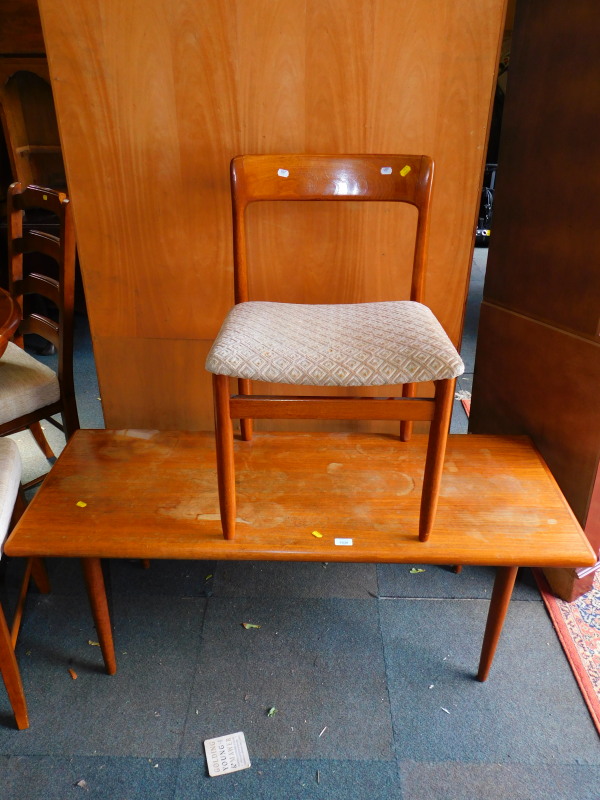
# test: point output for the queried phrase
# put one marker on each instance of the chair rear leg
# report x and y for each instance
(11, 676)
(406, 426)
(40, 439)
(70, 417)
(436, 450)
(246, 426)
(20, 607)
(35, 569)
(225, 456)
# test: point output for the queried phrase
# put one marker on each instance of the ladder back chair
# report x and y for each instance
(31, 391)
(358, 344)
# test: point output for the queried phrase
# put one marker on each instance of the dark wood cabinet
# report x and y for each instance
(537, 369)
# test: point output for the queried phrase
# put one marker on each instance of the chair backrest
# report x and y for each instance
(60, 291)
(394, 178)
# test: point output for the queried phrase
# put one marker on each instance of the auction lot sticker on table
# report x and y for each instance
(226, 754)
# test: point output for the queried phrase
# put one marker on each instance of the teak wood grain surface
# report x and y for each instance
(154, 99)
(154, 495)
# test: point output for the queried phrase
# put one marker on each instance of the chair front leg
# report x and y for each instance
(436, 450)
(11, 676)
(225, 456)
(40, 440)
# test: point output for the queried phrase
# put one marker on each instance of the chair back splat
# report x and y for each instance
(358, 344)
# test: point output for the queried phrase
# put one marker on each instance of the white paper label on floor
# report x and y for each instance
(226, 754)
(344, 542)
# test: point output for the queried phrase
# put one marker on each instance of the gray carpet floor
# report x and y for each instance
(371, 670)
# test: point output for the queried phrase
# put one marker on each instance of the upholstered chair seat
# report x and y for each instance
(25, 384)
(10, 477)
(359, 344)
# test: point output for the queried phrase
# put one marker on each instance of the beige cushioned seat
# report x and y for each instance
(10, 477)
(25, 384)
(359, 344)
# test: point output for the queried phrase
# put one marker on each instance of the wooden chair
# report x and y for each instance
(12, 504)
(31, 391)
(363, 344)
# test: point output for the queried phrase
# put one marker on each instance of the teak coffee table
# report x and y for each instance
(153, 495)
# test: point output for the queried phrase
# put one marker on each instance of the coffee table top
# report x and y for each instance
(10, 316)
(150, 494)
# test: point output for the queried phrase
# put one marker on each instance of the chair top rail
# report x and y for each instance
(37, 197)
(401, 178)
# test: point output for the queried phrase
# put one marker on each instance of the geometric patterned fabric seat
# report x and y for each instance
(358, 344)
(25, 384)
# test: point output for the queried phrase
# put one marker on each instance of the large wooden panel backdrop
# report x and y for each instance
(155, 97)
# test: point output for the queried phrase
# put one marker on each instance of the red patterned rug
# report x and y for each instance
(577, 625)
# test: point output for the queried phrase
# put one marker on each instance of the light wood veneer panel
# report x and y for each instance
(154, 99)
(159, 383)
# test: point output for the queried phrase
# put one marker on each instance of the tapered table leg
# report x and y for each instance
(501, 594)
(94, 580)
(39, 573)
